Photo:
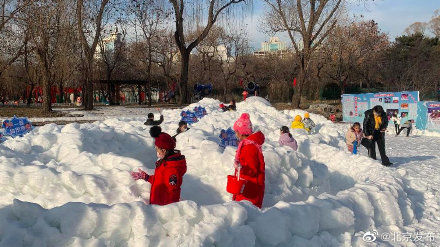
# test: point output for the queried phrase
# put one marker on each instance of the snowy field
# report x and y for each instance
(70, 186)
(99, 113)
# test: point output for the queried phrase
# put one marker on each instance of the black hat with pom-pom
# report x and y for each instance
(155, 131)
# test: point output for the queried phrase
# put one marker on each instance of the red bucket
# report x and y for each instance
(234, 185)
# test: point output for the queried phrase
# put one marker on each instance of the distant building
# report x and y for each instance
(109, 43)
(219, 52)
(273, 47)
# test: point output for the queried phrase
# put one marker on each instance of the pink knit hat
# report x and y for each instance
(243, 125)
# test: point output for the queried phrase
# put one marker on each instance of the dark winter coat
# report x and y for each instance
(167, 179)
(153, 122)
(178, 132)
(229, 108)
(252, 170)
(369, 123)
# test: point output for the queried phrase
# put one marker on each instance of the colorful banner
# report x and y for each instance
(428, 116)
(403, 104)
(16, 126)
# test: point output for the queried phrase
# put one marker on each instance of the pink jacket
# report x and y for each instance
(286, 140)
(352, 136)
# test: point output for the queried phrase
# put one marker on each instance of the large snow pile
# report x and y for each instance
(70, 186)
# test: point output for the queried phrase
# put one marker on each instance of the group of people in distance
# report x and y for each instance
(249, 160)
(374, 127)
(400, 127)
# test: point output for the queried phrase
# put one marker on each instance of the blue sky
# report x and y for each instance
(393, 16)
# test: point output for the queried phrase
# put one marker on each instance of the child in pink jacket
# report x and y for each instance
(286, 139)
(354, 134)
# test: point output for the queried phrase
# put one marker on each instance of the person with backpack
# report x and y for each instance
(354, 137)
(150, 121)
(375, 125)
(170, 168)
(249, 162)
(408, 126)
(286, 139)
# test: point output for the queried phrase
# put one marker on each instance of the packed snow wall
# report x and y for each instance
(70, 186)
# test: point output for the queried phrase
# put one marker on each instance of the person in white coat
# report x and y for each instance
(396, 121)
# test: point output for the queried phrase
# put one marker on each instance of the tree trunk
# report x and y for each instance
(61, 92)
(88, 87)
(296, 98)
(29, 97)
(184, 70)
(47, 104)
(139, 94)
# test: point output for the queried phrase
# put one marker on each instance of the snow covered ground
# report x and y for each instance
(99, 113)
(70, 186)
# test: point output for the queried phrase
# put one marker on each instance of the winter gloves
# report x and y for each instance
(139, 175)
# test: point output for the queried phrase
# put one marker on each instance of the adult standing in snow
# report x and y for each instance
(407, 125)
(170, 168)
(249, 160)
(151, 121)
(308, 123)
(396, 121)
(375, 125)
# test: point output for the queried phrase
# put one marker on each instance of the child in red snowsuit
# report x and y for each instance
(249, 159)
(170, 168)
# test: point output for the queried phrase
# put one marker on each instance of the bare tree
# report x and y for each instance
(151, 16)
(112, 50)
(416, 27)
(48, 28)
(13, 48)
(214, 9)
(434, 23)
(95, 13)
(307, 23)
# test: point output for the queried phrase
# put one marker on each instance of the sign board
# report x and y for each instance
(403, 104)
(428, 116)
(16, 126)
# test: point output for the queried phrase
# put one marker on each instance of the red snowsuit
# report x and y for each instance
(252, 169)
(167, 179)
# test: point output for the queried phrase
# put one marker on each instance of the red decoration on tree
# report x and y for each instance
(294, 82)
(241, 82)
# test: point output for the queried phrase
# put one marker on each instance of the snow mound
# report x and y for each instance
(70, 186)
